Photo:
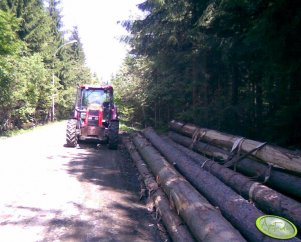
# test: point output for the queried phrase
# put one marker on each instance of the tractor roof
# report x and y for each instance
(105, 87)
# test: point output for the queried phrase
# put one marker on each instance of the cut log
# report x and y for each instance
(204, 221)
(265, 198)
(235, 208)
(277, 178)
(177, 230)
(269, 154)
(201, 147)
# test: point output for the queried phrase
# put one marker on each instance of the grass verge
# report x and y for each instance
(14, 132)
(123, 127)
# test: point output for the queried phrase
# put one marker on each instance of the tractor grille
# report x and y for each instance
(93, 117)
(94, 113)
(93, 121)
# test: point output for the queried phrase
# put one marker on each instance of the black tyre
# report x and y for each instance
(71, 136)
(113, 135)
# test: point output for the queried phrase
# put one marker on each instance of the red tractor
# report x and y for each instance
(95, 116)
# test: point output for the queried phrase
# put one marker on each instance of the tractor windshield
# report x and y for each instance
(94, 96)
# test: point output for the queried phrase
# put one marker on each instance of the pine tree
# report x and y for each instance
(229, 65)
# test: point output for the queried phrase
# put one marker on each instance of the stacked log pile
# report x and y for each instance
(266, 153)
(175, 227)
(277, 178)
(208, 196)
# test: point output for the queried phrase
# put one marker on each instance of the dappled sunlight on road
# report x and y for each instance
(53, 193)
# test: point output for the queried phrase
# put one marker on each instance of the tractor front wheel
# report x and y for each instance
(113, 135)
(71, 136)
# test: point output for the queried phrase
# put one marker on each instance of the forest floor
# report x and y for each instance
(49, 192)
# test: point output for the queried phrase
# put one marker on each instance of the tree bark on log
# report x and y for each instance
(204, 221)
(265, 198)
(200, 147)
(236, 209)
(269, 154)
(174, 225)
(278, 179)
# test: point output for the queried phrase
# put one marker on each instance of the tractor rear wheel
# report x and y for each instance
(113, 135)
(71, 136)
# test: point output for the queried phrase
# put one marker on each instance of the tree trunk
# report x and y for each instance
(268, 154)
(259, 107)
(237, 210)
(234, 85)
(264, 198)
(194, 82)
(203, 220)
(277, 178)
(174, 225)
(201, 147)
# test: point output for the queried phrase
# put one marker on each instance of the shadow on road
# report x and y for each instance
(91, 194)
(121, 215)
(109, 169)
(89, 226)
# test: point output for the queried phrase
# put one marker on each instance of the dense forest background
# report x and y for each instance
(31, 52)
(230, 65)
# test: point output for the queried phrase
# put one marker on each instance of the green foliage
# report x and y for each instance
(228, 64)
(33, 88)
(128, 129)
(26, 90)
(9, 43)
(70, 71)
(32, 52)
(131, 90)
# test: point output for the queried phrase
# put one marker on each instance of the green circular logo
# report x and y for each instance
(276, 227)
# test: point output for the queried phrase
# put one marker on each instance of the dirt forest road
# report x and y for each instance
(49, 192)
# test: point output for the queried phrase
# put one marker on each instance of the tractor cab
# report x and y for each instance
(95, 115)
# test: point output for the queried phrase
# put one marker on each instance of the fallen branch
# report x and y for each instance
(203, 220)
